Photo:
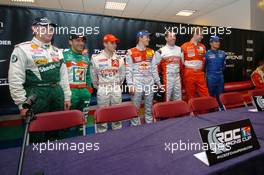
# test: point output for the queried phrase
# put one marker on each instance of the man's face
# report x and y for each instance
(111, 46)
(198, 35)
(215, 44)
(45, 33)
(77, 44)
(144, 40)
(171, 39)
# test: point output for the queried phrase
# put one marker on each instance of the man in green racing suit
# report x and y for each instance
(37, 67)
(78, 63)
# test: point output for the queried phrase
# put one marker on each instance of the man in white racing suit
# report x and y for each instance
(170, 60)
(108, 74)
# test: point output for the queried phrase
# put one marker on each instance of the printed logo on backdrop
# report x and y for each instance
(3, 82)
(157, 34)
(233, 56)
(1, 26)
(4, 42)
(229, 140)
(2, 63)
(121, 53)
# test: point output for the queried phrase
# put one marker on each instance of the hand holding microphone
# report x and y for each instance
(27, 105)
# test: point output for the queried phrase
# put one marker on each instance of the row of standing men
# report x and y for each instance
(63, 80)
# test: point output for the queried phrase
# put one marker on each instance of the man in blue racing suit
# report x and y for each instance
(215, 66)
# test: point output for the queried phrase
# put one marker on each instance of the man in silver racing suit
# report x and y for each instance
(141, 74)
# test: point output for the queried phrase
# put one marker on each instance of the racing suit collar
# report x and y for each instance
(194, 43)
(141, 48)
(214, 50)
(41, 44)
(75, 52)
(260, 71)
(171, 47)
(107, 55)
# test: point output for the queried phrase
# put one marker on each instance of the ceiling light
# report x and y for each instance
(27, 1)
(115, 5)
(185, 12)
(261, 4)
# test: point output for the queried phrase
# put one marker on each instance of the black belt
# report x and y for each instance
(53, 84)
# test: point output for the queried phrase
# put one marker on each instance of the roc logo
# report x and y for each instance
(260, 102)
(227, 138)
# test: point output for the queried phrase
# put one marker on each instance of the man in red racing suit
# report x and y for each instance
(194, 60)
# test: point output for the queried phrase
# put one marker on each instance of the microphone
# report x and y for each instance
(29, 102)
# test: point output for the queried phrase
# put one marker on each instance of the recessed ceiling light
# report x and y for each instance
(185, 12)
(28, 1)
(261, 4)
(115, 5)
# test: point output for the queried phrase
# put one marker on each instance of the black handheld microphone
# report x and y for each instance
(29, 102)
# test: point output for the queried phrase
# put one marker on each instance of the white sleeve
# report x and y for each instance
(122, 72)
(157, 57)
(64, 82)
(154, 66)
(129, 69)
(182, 57)
(17, 76)
(93, 73)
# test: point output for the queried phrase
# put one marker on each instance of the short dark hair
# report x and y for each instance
(137, 40)
(168, 32)
(261, 62)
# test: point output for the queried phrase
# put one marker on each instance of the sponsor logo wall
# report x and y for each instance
(244, 47)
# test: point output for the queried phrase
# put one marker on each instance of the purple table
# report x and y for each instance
(141, 150)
